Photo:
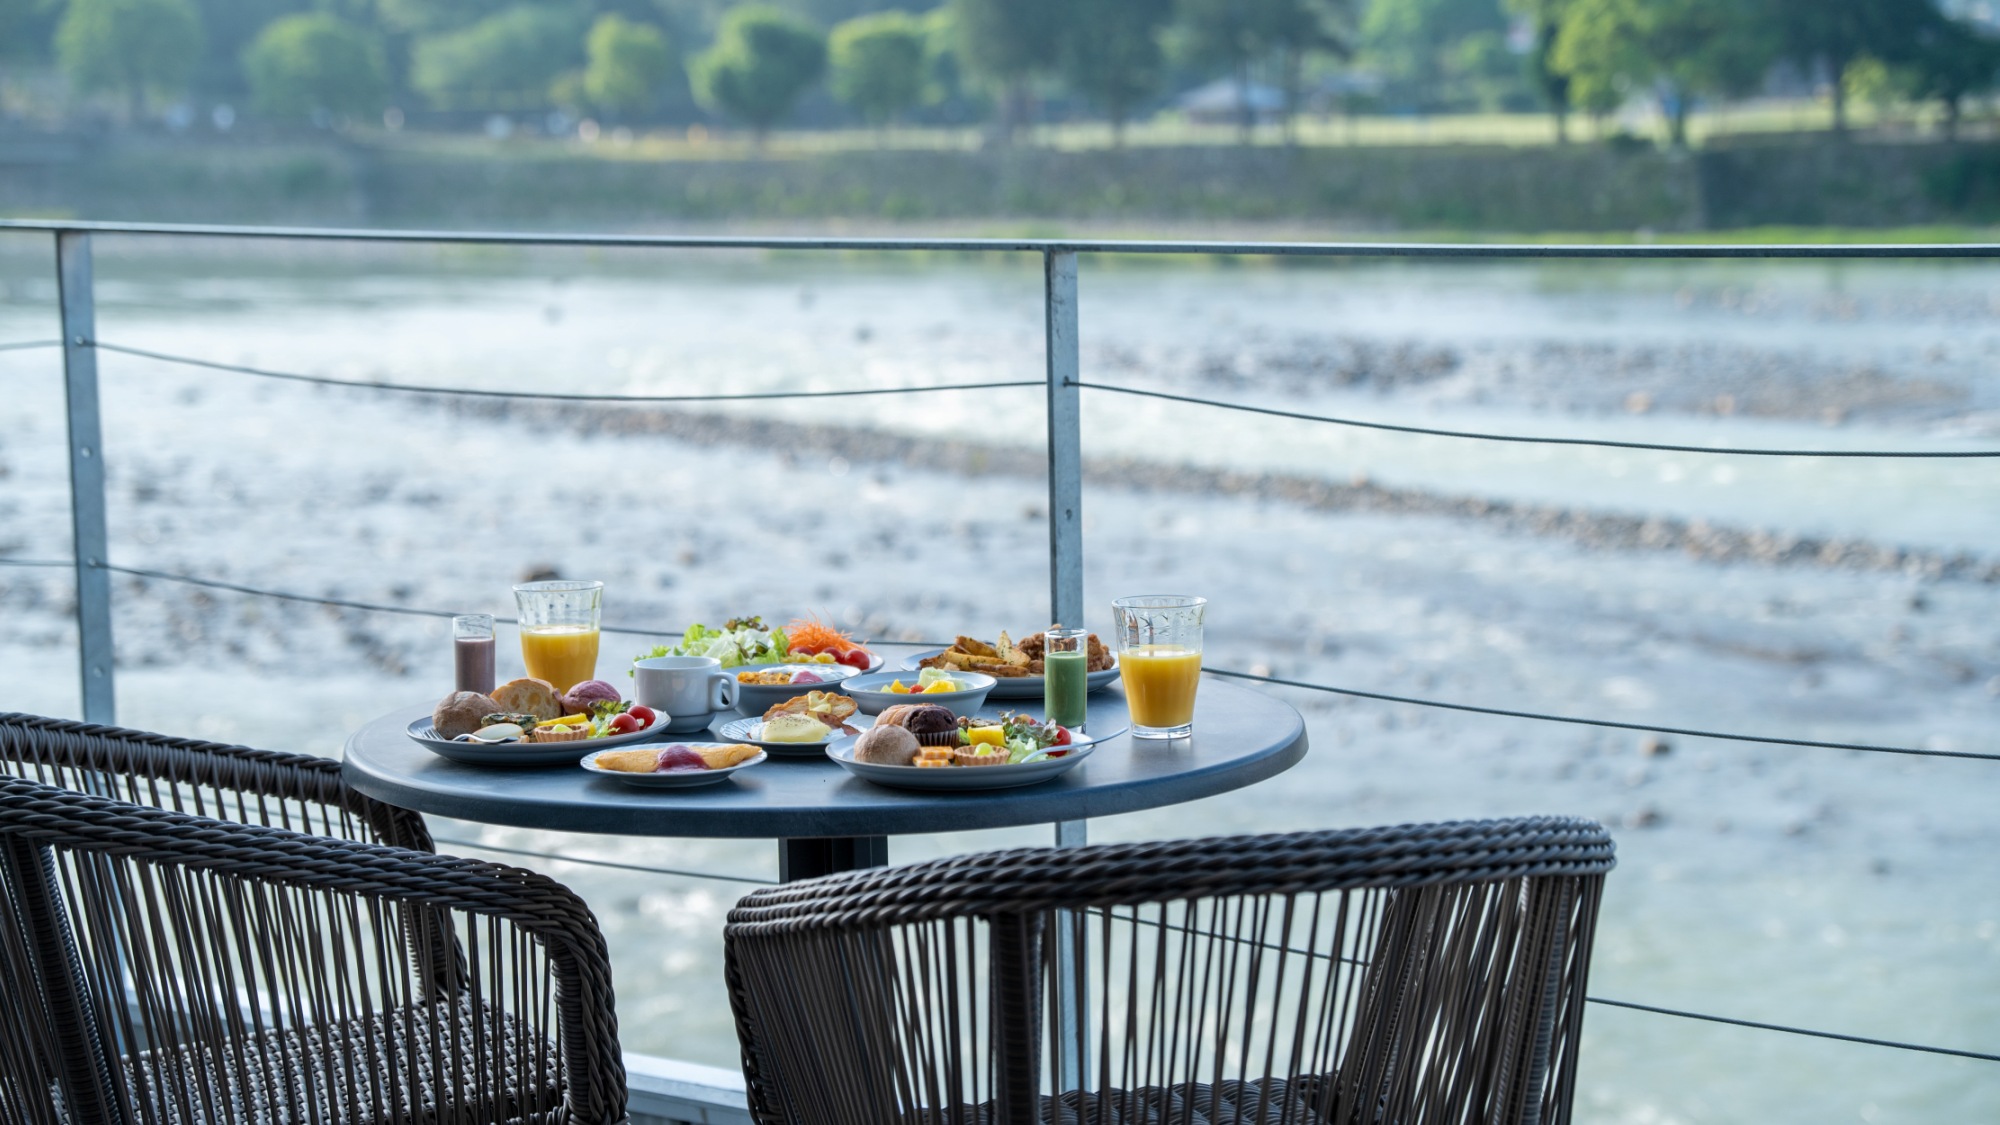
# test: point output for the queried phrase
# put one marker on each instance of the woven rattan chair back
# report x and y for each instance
(237, 783)
(160, 966)
(1418, 974)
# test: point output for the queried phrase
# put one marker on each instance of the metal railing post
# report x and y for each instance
(1065, 443)
(86, 476)
(1066, 607)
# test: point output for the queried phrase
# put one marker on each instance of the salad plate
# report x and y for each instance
(673, 779)
(747, 643)
(750, 730)
(425, 734)
(963, 778)
(1017, 687)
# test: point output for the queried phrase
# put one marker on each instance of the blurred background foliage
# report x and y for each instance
(1133, 69)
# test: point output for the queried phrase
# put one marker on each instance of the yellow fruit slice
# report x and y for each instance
(987, 736)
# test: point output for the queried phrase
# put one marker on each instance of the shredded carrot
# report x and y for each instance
(811, 632)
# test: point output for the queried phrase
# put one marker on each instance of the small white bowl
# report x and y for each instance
(870, 692)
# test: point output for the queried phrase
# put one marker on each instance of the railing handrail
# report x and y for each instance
(1348, 249)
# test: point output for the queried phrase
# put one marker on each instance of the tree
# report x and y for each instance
(879, 64)
(304, 65)
(1951, 61)
(763, 60)
(1234, 34)
(1112, 55)
(510, 58)
(1415, 43)
(1010, 42)
(628, 64)
(1834, 34)
(1681, 48)
(133, 47)
(1545, 18)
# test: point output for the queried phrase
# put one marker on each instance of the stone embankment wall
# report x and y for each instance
(1581, 188)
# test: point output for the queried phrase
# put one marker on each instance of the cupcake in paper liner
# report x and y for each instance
(933, 725)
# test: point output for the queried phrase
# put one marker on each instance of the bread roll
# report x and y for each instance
(886, 746)
(529, 696)
(463, 712)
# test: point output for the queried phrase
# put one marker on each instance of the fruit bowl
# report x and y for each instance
(872, 695)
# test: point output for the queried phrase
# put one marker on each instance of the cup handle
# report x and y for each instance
(723, 692)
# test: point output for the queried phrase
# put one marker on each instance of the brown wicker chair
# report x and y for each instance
(1398, 975)
(195, 932)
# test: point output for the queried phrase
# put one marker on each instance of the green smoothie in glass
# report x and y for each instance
(1065, 676)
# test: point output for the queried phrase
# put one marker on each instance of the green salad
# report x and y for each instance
(740, 641)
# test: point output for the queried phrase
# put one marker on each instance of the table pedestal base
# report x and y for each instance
(809, 857)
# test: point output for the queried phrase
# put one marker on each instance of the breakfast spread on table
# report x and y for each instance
(801, 665)
(1004, 659)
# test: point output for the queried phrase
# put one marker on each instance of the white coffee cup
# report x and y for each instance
(689, 690)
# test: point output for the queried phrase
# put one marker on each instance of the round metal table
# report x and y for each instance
(824, 819)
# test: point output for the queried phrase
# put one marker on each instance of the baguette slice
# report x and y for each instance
(529, 696)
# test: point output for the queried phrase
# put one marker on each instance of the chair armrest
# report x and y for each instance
(79, 755)
(62, 819)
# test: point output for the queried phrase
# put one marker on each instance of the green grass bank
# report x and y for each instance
(1576, 188)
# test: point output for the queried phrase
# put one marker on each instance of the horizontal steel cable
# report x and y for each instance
(26, 345)
(1525, 439)
(412, 611)
(1647, 728)
(1326, 955)
(377, 607)
(38, 562)
(605, 862)
(1901, 1046)
(324, 381)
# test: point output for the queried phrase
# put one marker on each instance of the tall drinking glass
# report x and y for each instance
(559, 623)
(1065, 676)
(1159, 658)
(472, 651)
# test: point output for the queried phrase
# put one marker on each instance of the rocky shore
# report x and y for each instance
(856, 446)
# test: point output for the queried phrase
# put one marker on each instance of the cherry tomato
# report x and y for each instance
(855, 658)
(1062, 735)
(625, 724)
(804, 650)
(644, 714)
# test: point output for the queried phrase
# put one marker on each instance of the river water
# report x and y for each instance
(1826, 889)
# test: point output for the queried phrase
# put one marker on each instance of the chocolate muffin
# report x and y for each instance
(933, 725)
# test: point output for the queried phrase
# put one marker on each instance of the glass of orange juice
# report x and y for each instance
(1159, 658)
(559, 623)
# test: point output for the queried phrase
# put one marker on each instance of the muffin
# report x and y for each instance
(933, 725)
(886, 746)
(894, 715)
